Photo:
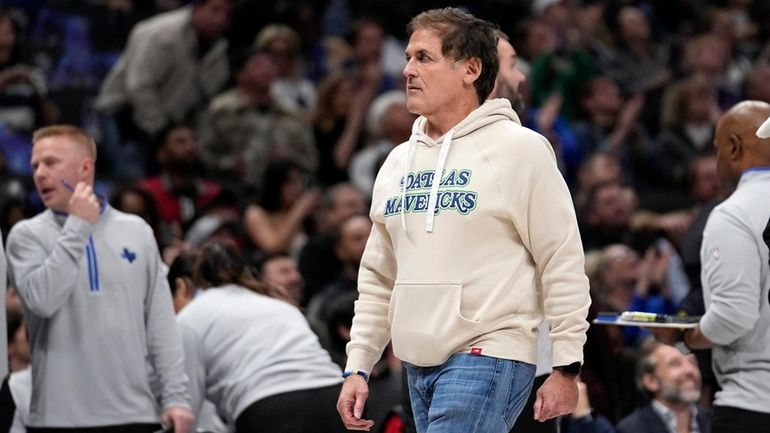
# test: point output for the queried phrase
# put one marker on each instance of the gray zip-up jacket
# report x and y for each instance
(736, 283)
(99, 316)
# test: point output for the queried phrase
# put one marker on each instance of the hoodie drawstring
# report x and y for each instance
(410, 145)
(442, 157)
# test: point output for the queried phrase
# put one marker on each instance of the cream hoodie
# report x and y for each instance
(500, 252)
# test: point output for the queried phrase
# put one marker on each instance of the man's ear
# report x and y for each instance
(735, 148)
(472, 70)
(87, 168)
(650, 382)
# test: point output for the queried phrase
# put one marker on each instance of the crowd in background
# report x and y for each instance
(264, 126)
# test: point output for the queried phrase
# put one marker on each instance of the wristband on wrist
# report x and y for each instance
(361, 373)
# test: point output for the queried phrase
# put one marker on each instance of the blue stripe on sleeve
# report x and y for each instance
(96, 264)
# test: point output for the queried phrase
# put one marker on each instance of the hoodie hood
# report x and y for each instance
(491, 111)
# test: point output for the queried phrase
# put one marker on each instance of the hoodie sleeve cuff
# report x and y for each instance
(361, 359)
(567, 352)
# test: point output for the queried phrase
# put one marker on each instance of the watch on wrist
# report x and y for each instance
(571, 369)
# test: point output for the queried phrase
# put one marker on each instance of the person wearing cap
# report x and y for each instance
(474, 243)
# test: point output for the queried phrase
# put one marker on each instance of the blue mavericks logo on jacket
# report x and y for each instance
(451, 196)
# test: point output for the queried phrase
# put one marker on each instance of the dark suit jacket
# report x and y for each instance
(646, 420)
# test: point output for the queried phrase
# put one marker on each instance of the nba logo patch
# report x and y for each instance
(715, 254)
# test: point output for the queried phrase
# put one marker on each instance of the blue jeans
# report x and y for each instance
(469, 394)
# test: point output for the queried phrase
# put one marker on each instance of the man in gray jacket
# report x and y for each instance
(96, 301)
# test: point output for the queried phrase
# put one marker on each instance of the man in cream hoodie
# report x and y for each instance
(459, 272)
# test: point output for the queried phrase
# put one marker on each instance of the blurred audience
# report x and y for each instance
(173, 64)
(247, 127)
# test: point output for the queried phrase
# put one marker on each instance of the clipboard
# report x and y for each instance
(646, 320)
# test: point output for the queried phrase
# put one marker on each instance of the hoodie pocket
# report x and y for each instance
(425, 321)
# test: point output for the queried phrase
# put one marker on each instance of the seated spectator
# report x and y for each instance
(624, 281)
(348, 248)
(180, 191)
(257, 359)
(758, 83)
(366, 38)
(561, 63)
(283, 43)
(23, 88)
(597, 168)
(610, 214)
(723, 25)
(707, 56)
(672, 382)
(136, 200)
(173, 64)
(389, 122)
(317, 261)
(689, 116)
(610, 123)
(247, 127)
(606, 215)
(20, 380)
(640, 63)
(275, 225)
(18, 346)
(281, 270)
(220, 219)
(339, 123)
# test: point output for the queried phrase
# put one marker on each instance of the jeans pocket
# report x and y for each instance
(518, 392)
(426, 324)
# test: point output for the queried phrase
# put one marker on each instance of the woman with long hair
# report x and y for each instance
(257, 358)
(275, 225)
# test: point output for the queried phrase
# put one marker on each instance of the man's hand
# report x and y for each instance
(558, 396)
(351, 403)
(179, 417)
(84, 203)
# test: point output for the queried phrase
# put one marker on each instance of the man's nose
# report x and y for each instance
(40, 172)
(409, 68)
